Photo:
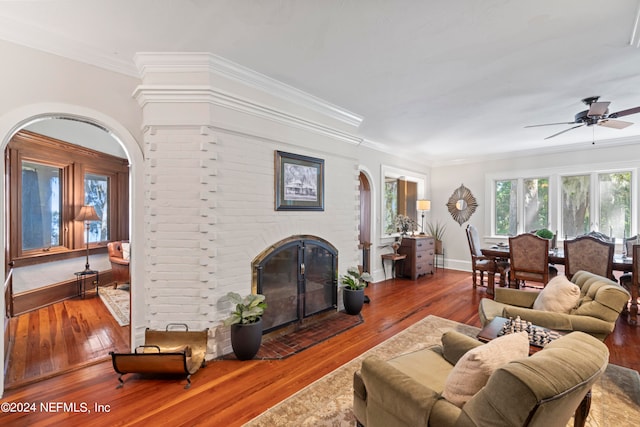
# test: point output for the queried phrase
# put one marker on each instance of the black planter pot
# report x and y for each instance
(246, 339)
(353, 300)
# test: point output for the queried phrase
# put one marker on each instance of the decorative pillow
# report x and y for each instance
(126, 251)
(560, 296)
(473, 370)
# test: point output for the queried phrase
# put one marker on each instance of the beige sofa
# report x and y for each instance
(600, 303)
(534, 391)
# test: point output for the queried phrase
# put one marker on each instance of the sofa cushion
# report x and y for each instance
(473, 369)
(427, 367)
(560, 296)
(456, 344)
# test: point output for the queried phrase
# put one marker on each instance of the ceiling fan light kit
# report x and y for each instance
(597, 114)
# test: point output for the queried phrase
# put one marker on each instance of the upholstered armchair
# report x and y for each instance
(596, 307)
(539, 390)
(119, 258)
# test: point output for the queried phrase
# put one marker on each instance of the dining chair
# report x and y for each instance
(635, 285)
(529, 260)
(590, 254)
(598, 235)
(625, 278)
(480, 263)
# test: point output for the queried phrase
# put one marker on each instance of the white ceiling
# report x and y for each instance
(443, 80)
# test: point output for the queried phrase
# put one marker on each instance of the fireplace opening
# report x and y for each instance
(298, 277)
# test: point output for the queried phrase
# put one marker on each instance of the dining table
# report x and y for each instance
(556, 256)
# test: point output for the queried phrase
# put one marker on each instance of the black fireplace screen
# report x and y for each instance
(298, 278)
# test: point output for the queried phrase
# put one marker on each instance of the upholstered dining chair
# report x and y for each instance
(588, 253)
(599, 235)
(119, 263)
(529, 260)
(481, 263)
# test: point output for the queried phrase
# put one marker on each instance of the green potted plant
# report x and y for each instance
(436, 230)
(354, 283)
(246, 324)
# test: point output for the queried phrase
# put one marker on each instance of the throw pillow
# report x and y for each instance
(560, 296)
(473, 370)
(126, 251)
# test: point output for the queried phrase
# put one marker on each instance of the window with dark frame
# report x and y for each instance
(48, 181)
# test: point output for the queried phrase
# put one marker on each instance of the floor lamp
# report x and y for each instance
(87, 214)
(424, 206)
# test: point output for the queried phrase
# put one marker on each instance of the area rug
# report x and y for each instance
(117, 302)
(328, 401)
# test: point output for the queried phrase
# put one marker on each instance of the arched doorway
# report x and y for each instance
(16, 120)
(365, 221)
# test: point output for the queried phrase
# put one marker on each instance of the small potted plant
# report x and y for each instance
(353, 290)
(246, 324)
(436, 230)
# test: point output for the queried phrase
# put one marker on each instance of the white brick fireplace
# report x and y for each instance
(210, 132)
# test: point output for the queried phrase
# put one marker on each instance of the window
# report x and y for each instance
(402, 189)
(506, 207)
(614, 192)
(96, 194)
(41, 206)
(536, 203)
(534, 213)
(567, 204)
(576, 196)
(48, 182)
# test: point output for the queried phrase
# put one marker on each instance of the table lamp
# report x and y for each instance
(87, 214)
(424, 206)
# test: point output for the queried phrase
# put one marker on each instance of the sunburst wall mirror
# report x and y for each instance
(462, 204)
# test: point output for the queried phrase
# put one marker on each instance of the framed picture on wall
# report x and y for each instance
(299, 182)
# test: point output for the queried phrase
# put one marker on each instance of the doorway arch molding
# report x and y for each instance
(14, 120)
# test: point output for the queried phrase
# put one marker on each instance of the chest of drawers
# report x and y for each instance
(420, 256)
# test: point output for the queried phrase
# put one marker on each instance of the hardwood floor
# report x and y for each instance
(61, 337)
(230, 393)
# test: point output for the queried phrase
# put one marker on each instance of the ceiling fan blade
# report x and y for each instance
(598, 109)
(551, 124)
(566, 130)
(622, 113)
(615, 124)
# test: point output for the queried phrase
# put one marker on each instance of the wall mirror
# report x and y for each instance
(462, 204)
(401, 189)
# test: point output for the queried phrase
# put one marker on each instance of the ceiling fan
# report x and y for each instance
(597, 114)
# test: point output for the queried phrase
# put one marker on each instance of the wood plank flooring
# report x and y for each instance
(61, 337)
(230, 393)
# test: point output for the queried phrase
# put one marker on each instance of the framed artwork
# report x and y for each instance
(299, 182)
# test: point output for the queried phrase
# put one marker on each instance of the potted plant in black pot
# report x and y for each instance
(246, 324)
(353, 291)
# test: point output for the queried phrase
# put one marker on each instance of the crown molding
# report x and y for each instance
(193, 62)
(146, 94)
(29, 35)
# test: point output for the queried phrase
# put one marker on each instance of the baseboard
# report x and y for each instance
(47, 295)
